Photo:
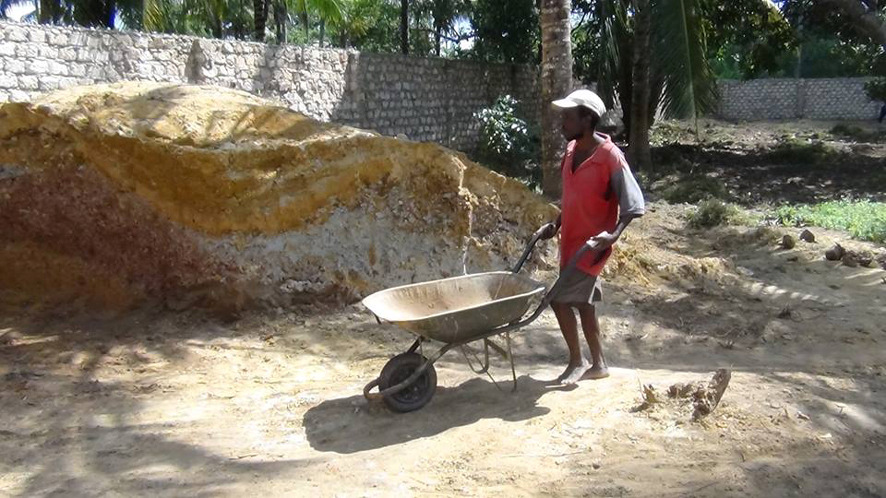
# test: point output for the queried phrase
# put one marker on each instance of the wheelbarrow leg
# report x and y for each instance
(415, 345)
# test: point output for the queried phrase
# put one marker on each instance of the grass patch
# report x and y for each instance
(796, 151)
(858, 133)
(714, 212)
(695, 189)
(863, 220)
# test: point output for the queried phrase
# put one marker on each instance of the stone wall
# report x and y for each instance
(424, 99)
(824, 98)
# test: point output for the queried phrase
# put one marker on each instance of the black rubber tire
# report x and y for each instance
(415, 396)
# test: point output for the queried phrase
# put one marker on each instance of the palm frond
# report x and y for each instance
(614, 36)
(330, 11)
(160, 16)
(680, 48)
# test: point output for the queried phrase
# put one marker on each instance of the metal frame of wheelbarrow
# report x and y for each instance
(429, 361)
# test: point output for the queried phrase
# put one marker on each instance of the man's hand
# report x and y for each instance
(602, 241)
(548, 231)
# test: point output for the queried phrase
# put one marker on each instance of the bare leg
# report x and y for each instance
(591, 327)
(569, 327)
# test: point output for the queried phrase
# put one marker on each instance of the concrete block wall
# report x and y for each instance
(821, 98)
(424, 99)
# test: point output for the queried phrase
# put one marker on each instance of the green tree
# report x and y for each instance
(862, 17)
(837, 42)
(168, 16)
(651, 52)
(505, 31)
(435, 21)
(370, 25)
(749, 39)
(325, 11)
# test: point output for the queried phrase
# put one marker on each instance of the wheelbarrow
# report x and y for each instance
(455, 311)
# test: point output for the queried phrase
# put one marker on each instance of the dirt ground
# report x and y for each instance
(180, 404)
(766, 163)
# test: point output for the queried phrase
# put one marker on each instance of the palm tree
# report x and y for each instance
(260, 18)
(556, 81)
(328, 11)
(444, 14)
(640, 154)
(655, 54)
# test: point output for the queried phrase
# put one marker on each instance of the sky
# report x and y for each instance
(16, 12)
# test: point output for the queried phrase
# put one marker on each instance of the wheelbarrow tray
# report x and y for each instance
(456, 309)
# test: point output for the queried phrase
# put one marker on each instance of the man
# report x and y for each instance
(600, 198)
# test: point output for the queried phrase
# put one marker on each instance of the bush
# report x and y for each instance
(695, 189)
(876, 89)
(794, 151)
(863, 220)
(714, 212)
(857, 133)
(507, 143)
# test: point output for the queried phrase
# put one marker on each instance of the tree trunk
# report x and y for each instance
(556, 82)
(639, 155)
(217, 31)
(322, 31)
(280, 15)
(43, 12)
(47, 11)
(404, 26)
(260, 15)
(437, 35)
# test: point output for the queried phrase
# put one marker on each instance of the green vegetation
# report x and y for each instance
(694, 189)
(714, 212)
(795, 151)
(507, 143)
(858, 133)
(863, 220)
(876, 89)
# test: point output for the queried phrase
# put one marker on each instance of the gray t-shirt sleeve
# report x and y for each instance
(630, 198)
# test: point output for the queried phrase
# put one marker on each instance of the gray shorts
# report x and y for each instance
(580, 288)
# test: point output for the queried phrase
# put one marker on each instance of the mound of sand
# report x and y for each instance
(121, 192)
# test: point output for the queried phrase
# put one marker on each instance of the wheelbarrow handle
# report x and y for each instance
(570, 268)
(529, 247)
(552, 292)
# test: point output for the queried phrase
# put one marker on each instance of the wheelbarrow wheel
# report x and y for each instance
(413, 396)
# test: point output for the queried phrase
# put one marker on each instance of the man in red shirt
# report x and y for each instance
(600, 198)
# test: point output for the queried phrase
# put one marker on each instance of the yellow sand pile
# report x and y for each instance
(119, 192)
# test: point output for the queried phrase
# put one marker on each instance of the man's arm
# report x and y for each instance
(630, 204)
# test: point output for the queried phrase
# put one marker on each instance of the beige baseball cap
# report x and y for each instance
(583, 98)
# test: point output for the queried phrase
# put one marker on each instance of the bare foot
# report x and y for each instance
(573, 373)
(596, 372)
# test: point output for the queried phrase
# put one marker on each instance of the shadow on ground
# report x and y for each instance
(342, 425)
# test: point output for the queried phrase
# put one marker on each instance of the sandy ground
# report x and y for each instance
(156, 403)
